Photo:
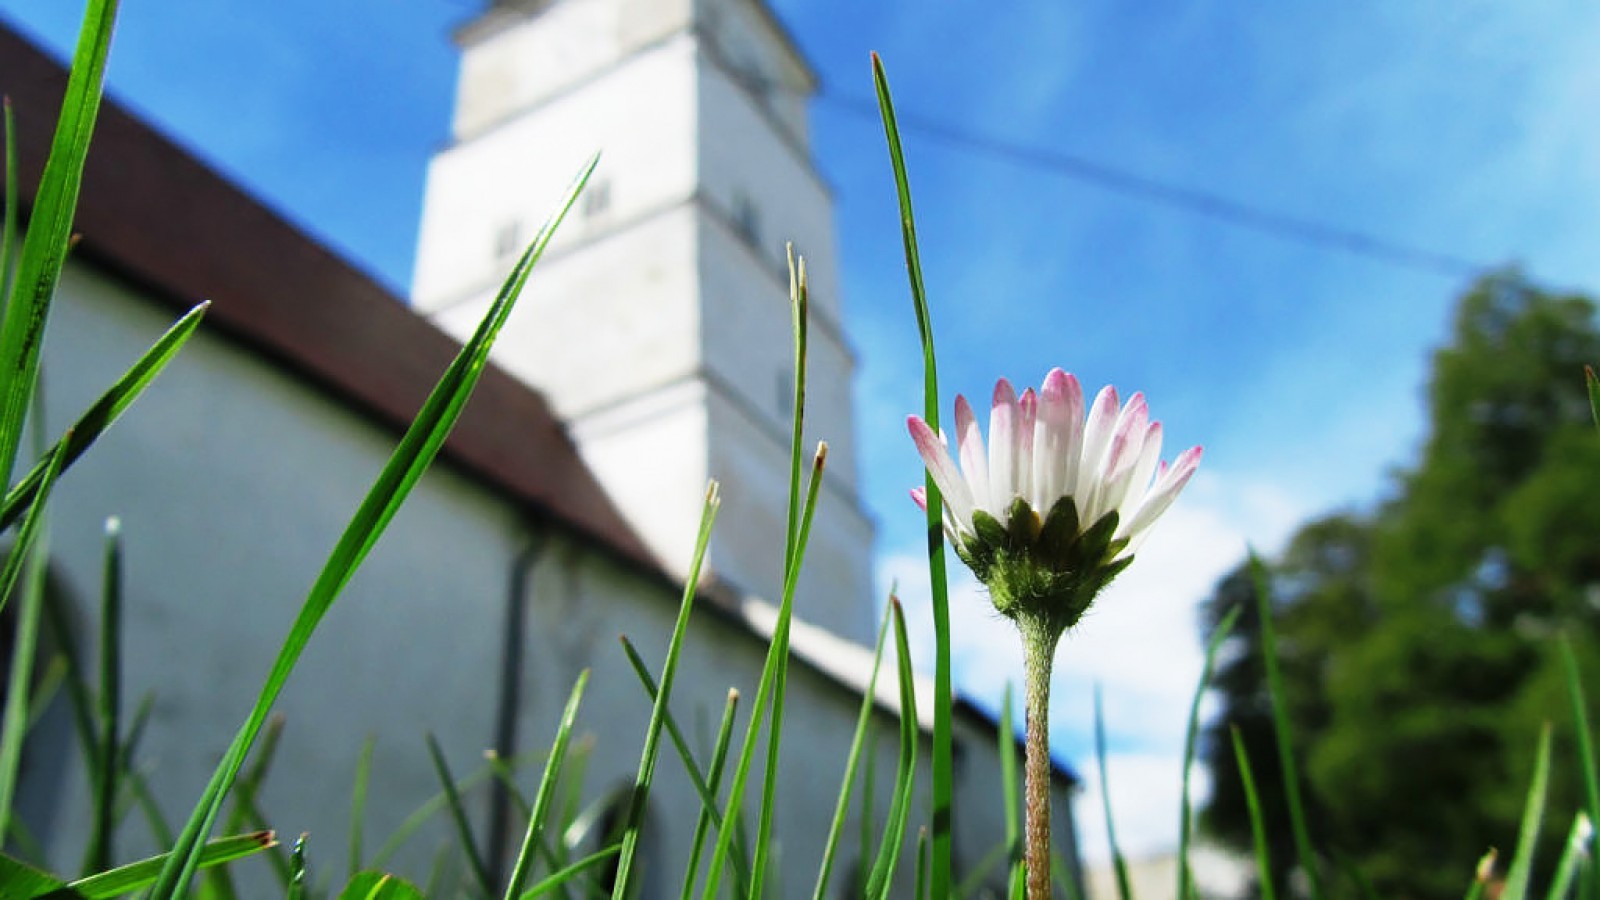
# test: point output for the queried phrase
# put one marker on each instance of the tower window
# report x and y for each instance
(508, 239)
(596, 198)
(746, 220)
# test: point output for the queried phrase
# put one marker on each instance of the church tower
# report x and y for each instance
(657, 324)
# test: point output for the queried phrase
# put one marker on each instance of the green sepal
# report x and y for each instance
(1023, 525)
(1095, 543)
(989, 530)
(1060, 530)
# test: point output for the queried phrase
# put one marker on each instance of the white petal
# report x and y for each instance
(1096, 438)
(1126, 443)
(1166, 489)
(956, 494)
(1027, 416)
(1002, 449)
(1059, 442)
(1139, 481)
(974, 462)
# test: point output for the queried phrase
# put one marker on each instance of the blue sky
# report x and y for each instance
(1461, 128)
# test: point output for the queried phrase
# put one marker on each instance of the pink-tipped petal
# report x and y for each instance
(1051, 436)
(1166, 489)
(1139, 480)
(974, 457)
(1097, 433)
(934, 455)
(919, 496)
(1002, 449)
(1027, 416)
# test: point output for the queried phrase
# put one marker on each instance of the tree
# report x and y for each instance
(1416, 640)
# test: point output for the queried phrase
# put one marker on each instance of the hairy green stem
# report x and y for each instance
(1039, 649)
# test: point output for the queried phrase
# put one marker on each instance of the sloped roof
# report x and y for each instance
(152, 213)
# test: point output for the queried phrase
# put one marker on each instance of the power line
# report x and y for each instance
(1198, 202)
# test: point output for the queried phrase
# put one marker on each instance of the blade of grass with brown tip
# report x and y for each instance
(133, 876)
(416, 451)
(943, 700)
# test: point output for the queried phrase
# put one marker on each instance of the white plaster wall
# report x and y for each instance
(745, 37)
(605, 322)
(512, 68)
(639, 115)
(233, 481)
(740, 153)
(835, 587)
(650, 455)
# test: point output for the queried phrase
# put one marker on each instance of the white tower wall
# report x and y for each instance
(658, 323)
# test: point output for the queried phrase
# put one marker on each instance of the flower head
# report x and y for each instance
(1055, 505)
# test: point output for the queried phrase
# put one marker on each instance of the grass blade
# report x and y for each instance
(1575, 852)
(560, 878)
(894, 831)
(919, 888)
(708, 800)
(792, 552)
(29, 535)
(1482, 874)
(458, 815)
(863, 721)
(1219, 636)
(33, 547)
(101, 838)
(669, 669)
(50, 229)
(129, 878)
(8, 215)
(1011, 788)
(105, 411)
(547, 789)
(943, 703)
(1118, 863)
(1280, 727)
(1516, 887)
(1258, 826)
(706, 790)
(777, 659)
(411, 458)
(421, 815)
(358, 801)
(1594, 392)
(1580, 726)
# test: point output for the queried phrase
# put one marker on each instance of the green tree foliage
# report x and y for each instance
(1417, 640)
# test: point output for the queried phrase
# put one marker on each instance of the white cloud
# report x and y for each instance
(1140, 643)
